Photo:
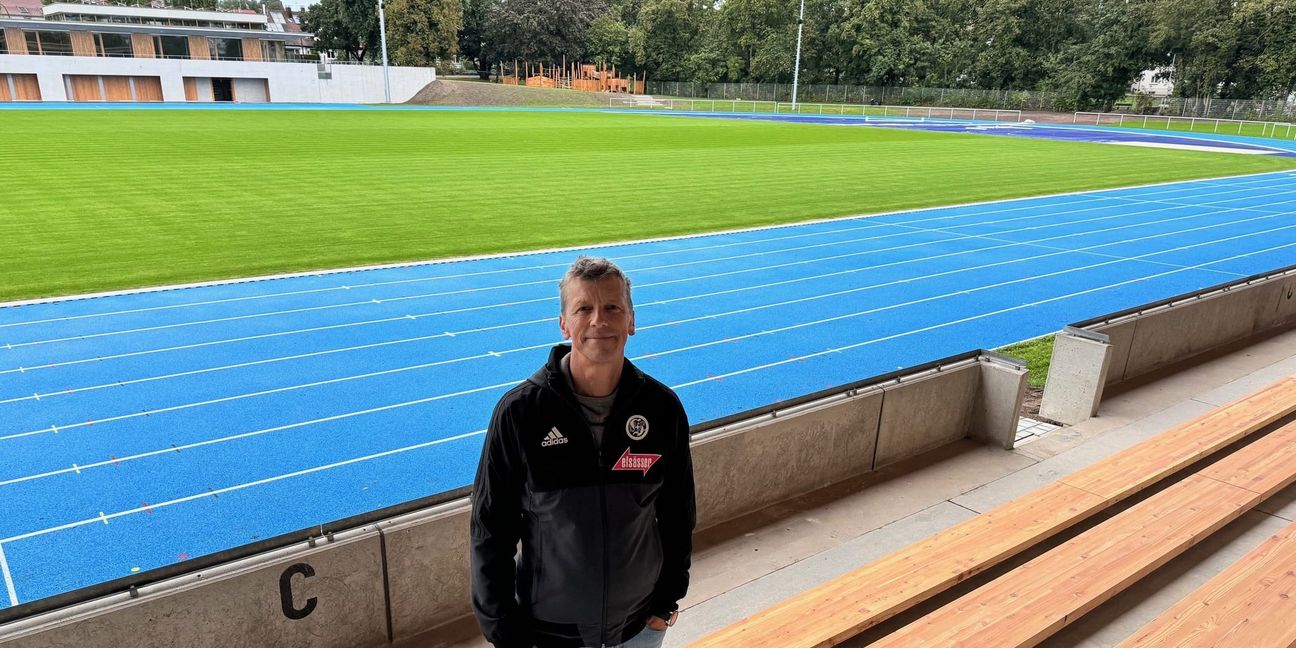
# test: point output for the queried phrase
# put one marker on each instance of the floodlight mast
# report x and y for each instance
(796, 67)
(382, 29)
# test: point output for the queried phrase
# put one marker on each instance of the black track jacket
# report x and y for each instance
(606, 533)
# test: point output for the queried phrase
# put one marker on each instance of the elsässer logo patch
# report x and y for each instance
(633, 461)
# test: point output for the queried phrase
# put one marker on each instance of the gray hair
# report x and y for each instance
(588, 268)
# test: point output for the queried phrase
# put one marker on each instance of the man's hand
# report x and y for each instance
(657, 623)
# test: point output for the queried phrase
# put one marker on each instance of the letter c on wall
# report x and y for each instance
(285, 592)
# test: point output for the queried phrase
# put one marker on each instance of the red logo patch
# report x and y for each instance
(631, 461)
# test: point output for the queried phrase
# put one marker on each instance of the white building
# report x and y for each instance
(93, 52)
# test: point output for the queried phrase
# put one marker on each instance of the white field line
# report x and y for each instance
(402, 298)
(117, 460)
(837, 219)
(421, 338)
(228, 489)
(957, 236)
(8, 578)
(973, 317)
(386, 453)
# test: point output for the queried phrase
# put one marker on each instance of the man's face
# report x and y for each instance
(597, 319)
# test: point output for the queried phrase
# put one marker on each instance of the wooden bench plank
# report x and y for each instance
(1155, 459)
(1251, 604)
(1037, 599)
(865, 597)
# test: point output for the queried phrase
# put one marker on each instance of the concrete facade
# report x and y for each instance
(1078, 372)
(427, 564)
(923, 413)
(326, 596)
(288, 82)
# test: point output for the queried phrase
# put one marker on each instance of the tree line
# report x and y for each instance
(1086, 51)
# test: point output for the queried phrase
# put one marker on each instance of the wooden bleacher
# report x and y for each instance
(1180, 515)
(1236, 608)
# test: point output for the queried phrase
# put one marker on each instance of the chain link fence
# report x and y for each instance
(853, 94)
(1243, 109)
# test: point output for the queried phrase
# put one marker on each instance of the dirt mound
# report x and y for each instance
(481, 93)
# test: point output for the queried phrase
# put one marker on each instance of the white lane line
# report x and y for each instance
(8, 578)
(1033, 202)
(813, 260)
(229, 489)
(968, 319)
(846, 219)
(212, 493)
(117, 460)
(1101, 208)
(1006, 244)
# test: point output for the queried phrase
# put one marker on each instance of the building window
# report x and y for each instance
(226, 49)
(272, 51)
(49, 43)
(172, 47)
(4, 47)
(114, 45)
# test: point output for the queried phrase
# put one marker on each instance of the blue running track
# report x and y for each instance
(144, 429)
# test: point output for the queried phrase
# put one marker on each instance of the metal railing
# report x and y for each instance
(737, 106)
(1270, 129)
(859, 94)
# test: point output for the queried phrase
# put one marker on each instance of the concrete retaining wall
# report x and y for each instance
(412, 571)
(1134, 344)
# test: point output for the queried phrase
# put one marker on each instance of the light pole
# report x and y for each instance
(796, 67)
(382, 29)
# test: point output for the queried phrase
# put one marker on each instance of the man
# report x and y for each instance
(587, 464)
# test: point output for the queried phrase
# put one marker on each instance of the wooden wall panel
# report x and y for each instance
(142, 46)
(117, 88)
(15, 41)
(4, 88)
(199, 49)
(149, 89)
(26, 87)
(84, 88)
(83, 44)
(252, 50)
(191, 89)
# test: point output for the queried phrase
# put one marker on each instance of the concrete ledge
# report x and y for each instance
(921, 413)
(1140, 341)
(741, 471)
(427, 565)
(329, 595)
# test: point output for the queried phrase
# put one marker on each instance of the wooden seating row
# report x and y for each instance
(1179, 516)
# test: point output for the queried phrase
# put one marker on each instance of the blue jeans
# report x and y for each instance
(647, 638)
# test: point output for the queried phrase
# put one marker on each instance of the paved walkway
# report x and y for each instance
(744, 566)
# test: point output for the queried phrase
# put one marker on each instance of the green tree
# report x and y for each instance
(1110, 51)
(1201, 39)
(421, 32)
(667, 34)
(349, 26)
(472, 35)
(539, 31)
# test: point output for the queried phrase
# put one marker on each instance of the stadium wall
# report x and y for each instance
(287, 82)
(1095, 354)
(407, 576)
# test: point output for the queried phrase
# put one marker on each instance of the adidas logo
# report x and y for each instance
(553, 438)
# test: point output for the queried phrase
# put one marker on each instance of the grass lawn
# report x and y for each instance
(97, 200)
(1036, 354)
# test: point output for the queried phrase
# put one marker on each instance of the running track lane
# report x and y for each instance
(144, 429)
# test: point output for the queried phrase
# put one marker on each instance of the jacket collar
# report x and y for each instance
(550, 375)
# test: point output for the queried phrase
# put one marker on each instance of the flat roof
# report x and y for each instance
(156, 30)
(148, 12)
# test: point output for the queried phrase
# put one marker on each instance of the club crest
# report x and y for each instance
(637, 427)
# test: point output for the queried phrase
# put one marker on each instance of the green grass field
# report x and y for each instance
(97, 200)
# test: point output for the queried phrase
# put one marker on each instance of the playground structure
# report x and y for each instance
(590, 77)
